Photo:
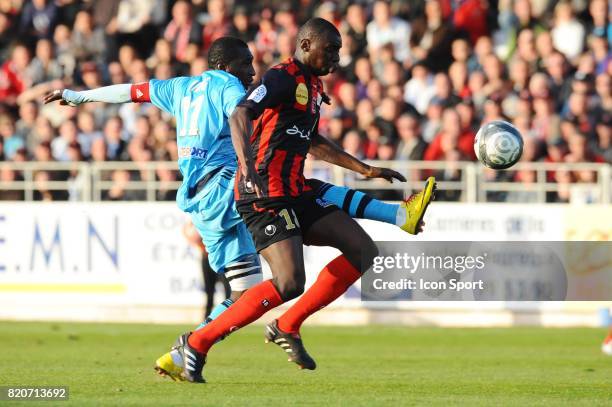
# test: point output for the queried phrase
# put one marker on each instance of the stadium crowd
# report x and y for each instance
(417, 79)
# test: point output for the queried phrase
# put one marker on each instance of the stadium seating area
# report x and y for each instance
(417, 78)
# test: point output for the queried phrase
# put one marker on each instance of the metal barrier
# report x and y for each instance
(468, 181)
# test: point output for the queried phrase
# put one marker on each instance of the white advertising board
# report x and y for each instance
(60, 257)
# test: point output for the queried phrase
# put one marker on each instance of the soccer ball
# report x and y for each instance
(498, 145)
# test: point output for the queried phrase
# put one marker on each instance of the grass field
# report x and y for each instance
(111, 365)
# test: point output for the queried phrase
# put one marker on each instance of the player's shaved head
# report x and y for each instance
(314, 29)
(224, 50)
(318, 46)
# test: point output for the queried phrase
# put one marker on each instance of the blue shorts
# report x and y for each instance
(225, 235)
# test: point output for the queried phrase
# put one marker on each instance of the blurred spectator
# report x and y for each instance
(38, 19)
(182, 29)
(546, 123)
(13, 77)
(265, 39)
(411, 145)
(514, 17)
(7, 35)
(451, 139)
(119, 189)
(88, 41)
(431, 37)
(602, 144)
(567, 32)
(528, 192)
(387, 29)
(87, 132)
(43, 191)
(11, 140)
(526, 48)
(355, 27)
(560, 85)
(44, 67)
(218, 24)
(9, 175)
(134, 24)
(420, 88)
(241, 25)
(67, 135)
(115, 144)
(600, 24)
(471, 17)
(27, 121)
(353, 144)
(62, 41)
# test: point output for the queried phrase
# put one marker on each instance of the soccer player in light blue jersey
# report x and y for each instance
(202, 105)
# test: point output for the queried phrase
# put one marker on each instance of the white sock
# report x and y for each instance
(400, 217)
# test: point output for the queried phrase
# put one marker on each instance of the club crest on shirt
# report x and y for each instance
(301, 94)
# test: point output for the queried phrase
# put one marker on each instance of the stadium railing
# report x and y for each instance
(470, 181)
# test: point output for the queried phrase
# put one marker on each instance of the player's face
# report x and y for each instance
(242, 67)
(325, 53)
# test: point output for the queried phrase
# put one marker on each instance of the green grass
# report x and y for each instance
(111, 365)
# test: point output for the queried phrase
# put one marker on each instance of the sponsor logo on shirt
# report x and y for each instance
(258, 94)
(193, 152)
(305, 134)
(301, 94)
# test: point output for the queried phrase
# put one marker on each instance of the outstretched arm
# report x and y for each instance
(325, 150)
(109, 94)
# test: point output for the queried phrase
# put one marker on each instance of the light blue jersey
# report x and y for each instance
(202, 106)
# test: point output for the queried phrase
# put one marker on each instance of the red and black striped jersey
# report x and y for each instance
(285, 108)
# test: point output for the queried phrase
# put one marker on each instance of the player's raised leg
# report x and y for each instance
(405, 215)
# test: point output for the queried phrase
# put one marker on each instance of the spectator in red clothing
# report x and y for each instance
(458, 73)
(265, 40)
(218, 25)
(182, 30)
(580, 151)
(471, 17)
(451, 134)
(375, 137)
(13, 80)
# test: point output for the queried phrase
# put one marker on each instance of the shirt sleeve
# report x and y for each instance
(276, 87)
(232, 94)
(162, 92)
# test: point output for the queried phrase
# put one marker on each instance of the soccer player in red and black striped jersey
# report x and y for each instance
(273, 129)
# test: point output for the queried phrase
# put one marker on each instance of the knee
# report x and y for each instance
(369, 252)
(236, 294)
(290, 288)
(362, 254)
